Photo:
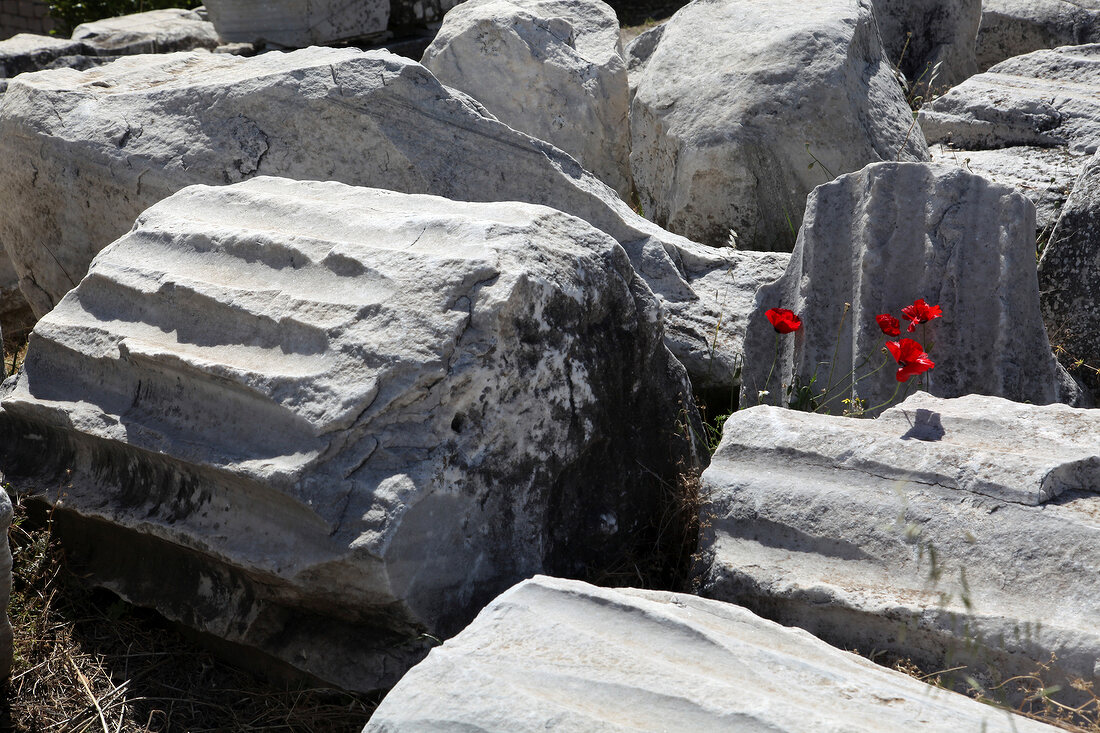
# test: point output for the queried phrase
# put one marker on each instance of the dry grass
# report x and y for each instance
(87, 661)
(1035, 694)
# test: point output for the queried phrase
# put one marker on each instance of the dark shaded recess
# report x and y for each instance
(636, 12)
(44, 463)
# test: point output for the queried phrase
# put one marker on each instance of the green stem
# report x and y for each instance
(836, 349)
(775, 358)
(857, 380)
(891, 399)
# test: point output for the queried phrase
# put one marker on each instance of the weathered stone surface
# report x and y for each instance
(878, 240)
(932, 39)
(16, 317)
(551, 68)
(339, 418)
(28, 52)
(1069, 279)
(298, 23)
(1015, 27)
(81, 155)
(6, 636)
(568, 656)
(961, 530)
(1044, 175)
(739, 98)
(1046, 98)
(154, 31)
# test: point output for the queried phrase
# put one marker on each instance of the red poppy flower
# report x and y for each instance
(910, 357)
(920, 312)
(889, 325)
(783, 320)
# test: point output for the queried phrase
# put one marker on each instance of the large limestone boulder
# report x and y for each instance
(1045, 175)
(29, 52)
(551, 68)
(952, 532)
(874, 242)
(744, 107)
(1069, 279)
(1047, 98)
(299, 23)
(1015, 27)
(568, 656)
(81, 155)
(339, 418)
(932, 41)
(154, 31)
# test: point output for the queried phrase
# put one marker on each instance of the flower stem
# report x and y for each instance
(836, 349)
(856, 380)
(891, 398)
(775, 358)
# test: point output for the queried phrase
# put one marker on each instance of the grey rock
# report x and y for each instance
(744, 107)
(1015, 27)
(81, 155)
(154, 31)
(949, 531)
(639, 50)
(340, 418)
(551, 68)
(1069, 279)
(880, 239)
(28, 52)
(932, 39)
(1045, 98)
(568, 656)
(1044, 175)
(298, 23)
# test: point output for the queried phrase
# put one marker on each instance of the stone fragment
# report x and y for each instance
(568, 656)
(1069, 280)
(1015, 27)
(1044, 175)
(949, 531)
(28, 52)
(551, 68)
(339, 418)
(81, 155)
(931, 40)
(299, 23)
(1047, 99)
(744, 107)
(878, 240)
(154, 31)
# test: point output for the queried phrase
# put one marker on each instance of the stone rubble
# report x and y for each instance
(419, 401)
(950, 531)
(567, 656)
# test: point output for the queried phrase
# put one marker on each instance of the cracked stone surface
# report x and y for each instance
(879, 239)
(744, 107)
(1046, 98)
(952, 531)
(552, 654)
(931, 40)
(338, 418)
(154, 31)
(82, 154)
(299, 23)
(1015, 27)
(1069, 278)
(552, 68)
(1045, 175)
